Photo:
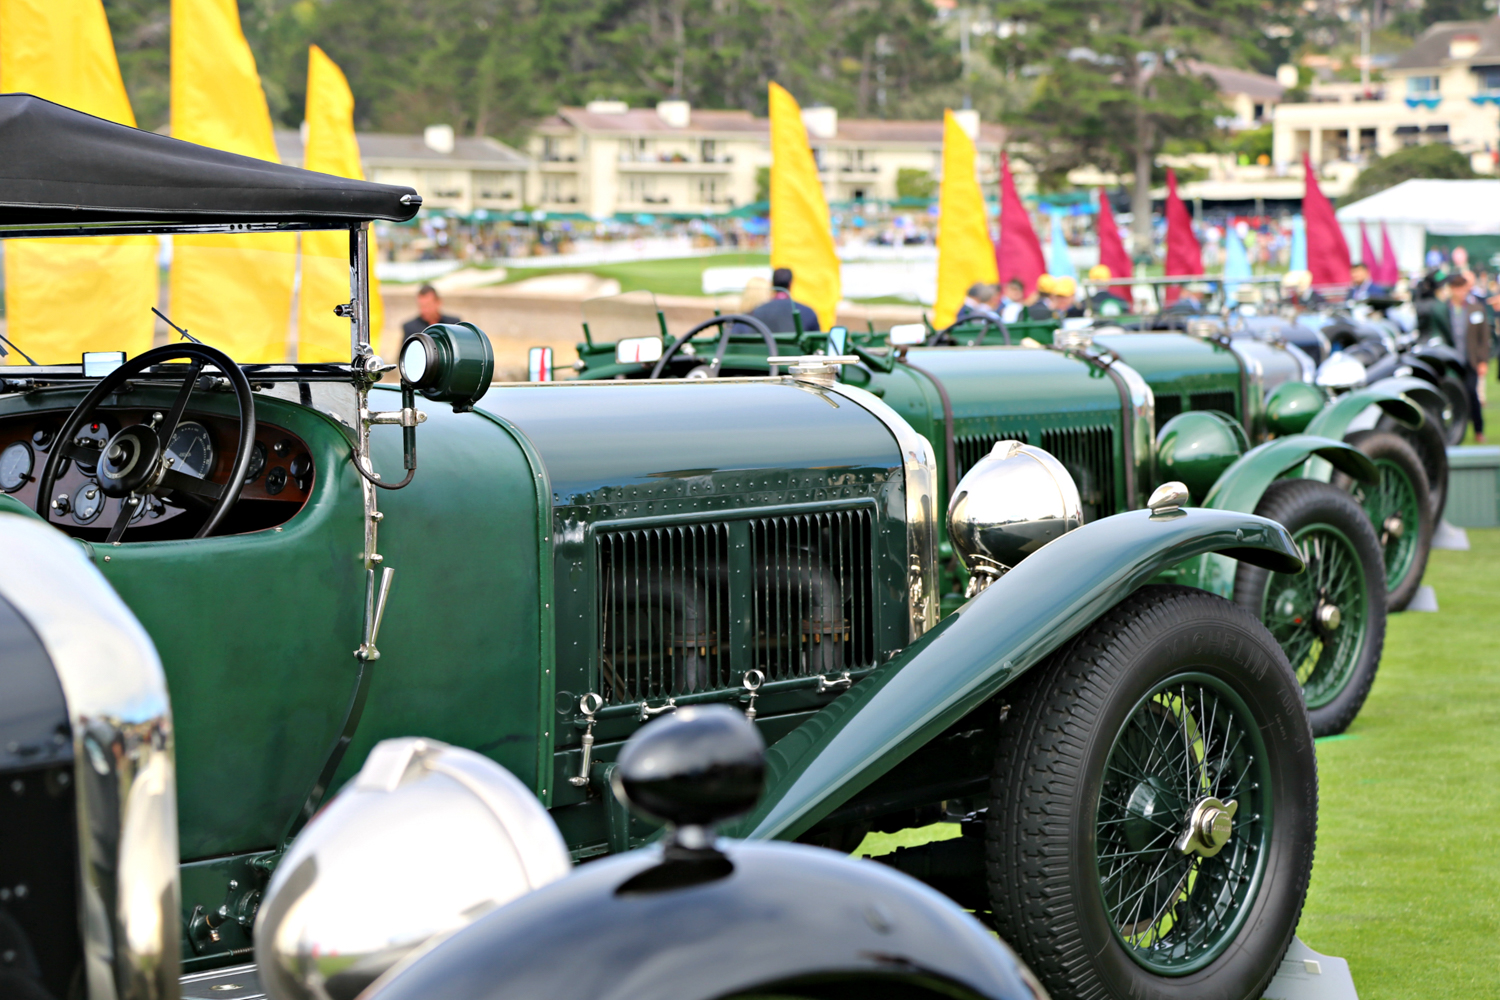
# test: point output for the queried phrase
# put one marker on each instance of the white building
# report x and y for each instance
(454, 172)
(1445, 88)
(609, 158)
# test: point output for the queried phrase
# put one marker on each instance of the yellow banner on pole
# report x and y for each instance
(234, 292)
(965, 254)
(331, 149)
(64, 297)
(801, 237)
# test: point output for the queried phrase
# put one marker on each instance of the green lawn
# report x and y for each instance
(672, 276)
(1406, 884)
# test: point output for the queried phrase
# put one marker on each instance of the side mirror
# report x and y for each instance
(838, 340)
(908, 334)
(449, 363)
(638, 351)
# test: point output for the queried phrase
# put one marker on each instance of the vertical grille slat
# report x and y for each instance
(1167, 407)
(1221, 401)
(664, 603)
(1088, 453)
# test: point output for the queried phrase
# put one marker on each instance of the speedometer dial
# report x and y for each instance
(15, 466)
(192, 449)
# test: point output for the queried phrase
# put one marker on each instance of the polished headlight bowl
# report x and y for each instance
(1012, 502)
(425, 840)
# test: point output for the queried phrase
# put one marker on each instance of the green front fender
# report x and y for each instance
(1333, 421)
(982, 647)
(1243, 483)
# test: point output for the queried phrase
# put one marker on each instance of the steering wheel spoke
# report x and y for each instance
(127, 509)
(174, 415)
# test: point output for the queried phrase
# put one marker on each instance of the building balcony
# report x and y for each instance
(673, 166)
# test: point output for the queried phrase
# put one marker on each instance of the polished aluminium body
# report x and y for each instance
(424, 840)
(124, 786)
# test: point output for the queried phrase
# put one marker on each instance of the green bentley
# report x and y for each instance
(327, 556)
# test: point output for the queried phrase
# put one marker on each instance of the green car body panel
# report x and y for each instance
(1185, 373)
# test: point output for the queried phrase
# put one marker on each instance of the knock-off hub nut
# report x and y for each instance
(1329, 616)
(1210, 826)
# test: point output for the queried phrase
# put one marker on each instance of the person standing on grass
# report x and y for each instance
(777, 314)
(1471, 337)
(429, 311)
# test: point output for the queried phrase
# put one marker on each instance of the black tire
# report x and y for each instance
(1336, 665)
(1405, 556)
(1431, 446)
(1456, 411)
(1055, 780)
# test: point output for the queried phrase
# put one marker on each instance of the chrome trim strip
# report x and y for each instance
(125, 784)
(922, 507)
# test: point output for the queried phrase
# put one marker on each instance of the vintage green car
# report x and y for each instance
(534, 571)
(1079, 401)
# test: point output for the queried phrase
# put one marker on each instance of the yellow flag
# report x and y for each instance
(234, 292)
(965, 254)
(331, 149)
(801, 237)
(64, 297)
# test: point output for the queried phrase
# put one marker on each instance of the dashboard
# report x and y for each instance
(277, 483)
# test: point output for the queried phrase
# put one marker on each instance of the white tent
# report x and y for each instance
(1412, 209)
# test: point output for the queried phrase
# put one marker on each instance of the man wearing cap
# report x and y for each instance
(1063, 298)
(1104, 302)
(778, 313)
(1038, 308)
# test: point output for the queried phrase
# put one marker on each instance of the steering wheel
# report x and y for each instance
(726, 322)
(945, 336)
(134, 463)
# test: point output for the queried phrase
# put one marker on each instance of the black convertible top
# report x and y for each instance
(60, 167)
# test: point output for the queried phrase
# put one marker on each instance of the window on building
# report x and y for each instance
(708, 191)
(708, 151)
(1421, 86)
(551, 148)
(1489, 78)
(495, 186)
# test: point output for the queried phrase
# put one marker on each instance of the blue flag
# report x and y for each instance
(1299, 245)
(1059, 264)
(1236, 261)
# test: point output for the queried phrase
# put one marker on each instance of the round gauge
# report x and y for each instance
(192, 449)
(257, 462)
(276, 480)
(89, 503)
(15, 466)
(87, 458)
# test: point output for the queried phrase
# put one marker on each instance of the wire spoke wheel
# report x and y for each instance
(1318, 616)
(1395, 511)
(1189, 746)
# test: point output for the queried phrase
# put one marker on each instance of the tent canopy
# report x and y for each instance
(1414, 209)
(60, 167)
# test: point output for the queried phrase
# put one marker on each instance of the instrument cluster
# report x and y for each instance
(280, 470)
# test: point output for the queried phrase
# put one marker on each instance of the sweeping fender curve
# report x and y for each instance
(1334, 419)
(985, 645)
(1244, 483)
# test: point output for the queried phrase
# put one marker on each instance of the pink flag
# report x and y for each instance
(1018, 253)
(1367, 252)
(1184, 256)
(1390, 270)
(1327, 252)
(1111, 250)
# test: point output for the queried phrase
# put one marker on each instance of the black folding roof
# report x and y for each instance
(61, 168)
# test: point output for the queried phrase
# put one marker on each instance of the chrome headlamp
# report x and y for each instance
(1341, 372)
(1012, 502)
(425, 840)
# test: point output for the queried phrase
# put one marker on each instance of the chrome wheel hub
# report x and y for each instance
(1210, 826)
(1329, 616)
(1392, 529)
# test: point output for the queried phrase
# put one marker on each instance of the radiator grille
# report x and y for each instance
(1167, 407)
(1088, 453)
(1221, 401)
(967, 451)
(812, 605)
(664, 601)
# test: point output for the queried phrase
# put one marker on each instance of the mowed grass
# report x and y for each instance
(672, 276)
(1406, 881)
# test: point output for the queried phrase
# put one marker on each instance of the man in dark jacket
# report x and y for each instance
(1471, 337)
(429, 311)
(777, 313)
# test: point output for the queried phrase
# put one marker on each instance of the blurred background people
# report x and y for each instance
(429, 311)
(778, 313)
